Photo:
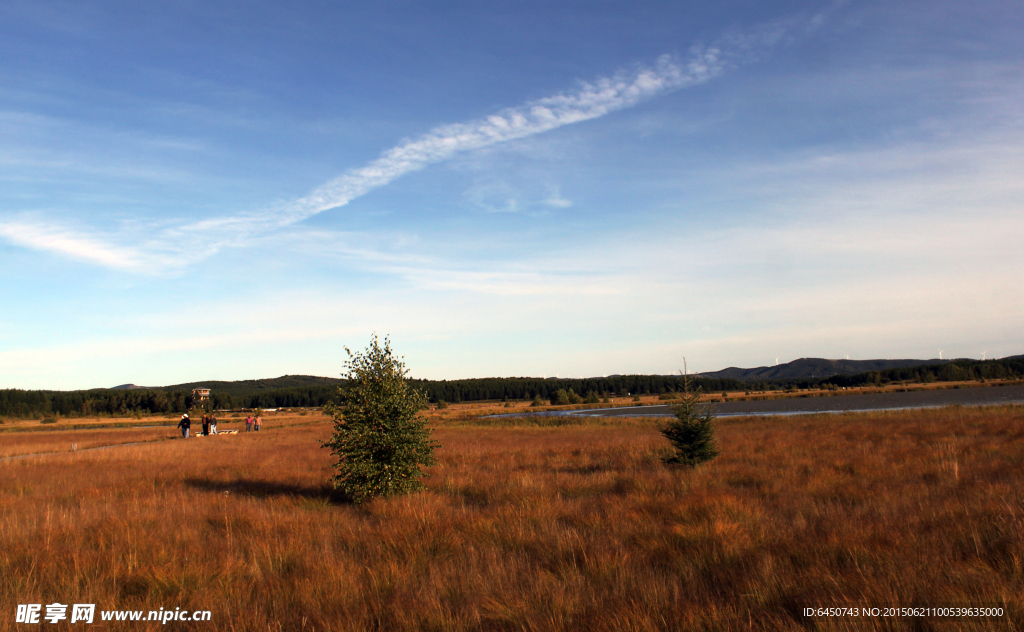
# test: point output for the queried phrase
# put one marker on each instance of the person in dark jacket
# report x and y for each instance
(185, 424)
(206, 425)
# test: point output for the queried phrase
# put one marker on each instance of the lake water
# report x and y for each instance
(806, 405)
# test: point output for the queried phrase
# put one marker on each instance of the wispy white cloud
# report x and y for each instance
(555, 200)
(590, 100)
(74, 244)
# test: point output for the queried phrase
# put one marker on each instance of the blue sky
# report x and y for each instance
(211, 190)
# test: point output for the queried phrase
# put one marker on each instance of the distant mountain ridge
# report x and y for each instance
(807, 368)
(243, 387)
(307, 391)
(802, 369)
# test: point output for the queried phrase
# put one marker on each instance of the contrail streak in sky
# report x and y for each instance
(589, 101)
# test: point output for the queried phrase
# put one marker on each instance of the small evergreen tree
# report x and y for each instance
(378, 439)
(692, 432)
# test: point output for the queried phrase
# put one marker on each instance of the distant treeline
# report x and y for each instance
(247, 388)
(100, 401)
(22, 404)
(953, 371)
(507, 388)
(27, 404)
(497, 388)
(17, 403)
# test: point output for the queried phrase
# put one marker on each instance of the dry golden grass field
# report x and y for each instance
(27, 436)
(573, 527)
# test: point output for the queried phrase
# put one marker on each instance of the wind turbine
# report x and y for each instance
(983, 355)
(940, 354)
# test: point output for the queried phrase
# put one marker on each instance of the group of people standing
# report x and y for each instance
(252, 422)
(209, 425)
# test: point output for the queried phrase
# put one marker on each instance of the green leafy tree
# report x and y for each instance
(692, 432)
(379, 440)
(562, 397)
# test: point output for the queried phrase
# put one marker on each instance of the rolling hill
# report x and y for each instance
(243, 388)
(807, 368)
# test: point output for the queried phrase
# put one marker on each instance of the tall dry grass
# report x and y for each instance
(23, 443)
(88, 433)
(535, 528)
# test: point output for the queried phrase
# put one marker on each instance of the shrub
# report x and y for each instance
(537, 401)
(559, 397)
(441, 404)
(562, 397)
(48, 420)
(592, 398)
(378, 438)
(692, 432)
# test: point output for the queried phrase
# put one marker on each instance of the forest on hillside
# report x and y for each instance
(315, 392)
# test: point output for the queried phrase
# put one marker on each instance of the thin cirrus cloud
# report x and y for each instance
(590, 101)
(75, 245)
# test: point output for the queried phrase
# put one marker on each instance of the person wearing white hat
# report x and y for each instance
(185, 424)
